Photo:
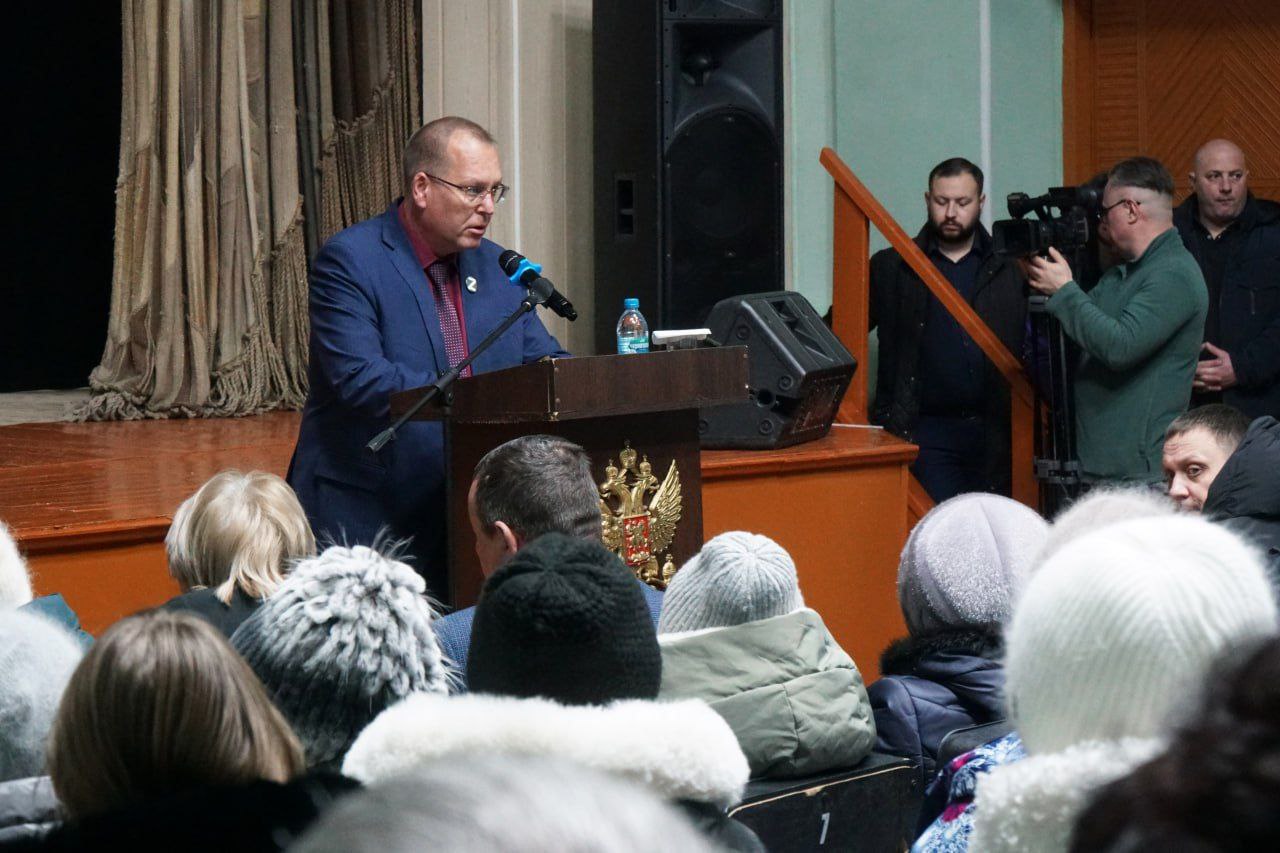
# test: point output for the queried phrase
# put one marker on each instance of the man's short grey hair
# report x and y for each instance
(1146, 173)
(428, 149)
(509, 803)
(538, 484)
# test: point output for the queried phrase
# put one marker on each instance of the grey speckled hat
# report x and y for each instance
(964, 562)
(346, 635)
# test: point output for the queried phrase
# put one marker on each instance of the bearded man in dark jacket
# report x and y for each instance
(1235, 238)
(935, 387)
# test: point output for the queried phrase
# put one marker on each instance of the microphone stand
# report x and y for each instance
(534, 296)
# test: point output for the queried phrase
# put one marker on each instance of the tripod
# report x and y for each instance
(1057, 465)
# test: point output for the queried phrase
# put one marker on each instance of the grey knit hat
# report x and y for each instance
(346, 635)
(737, 577)
(964, 561)
(37, 658)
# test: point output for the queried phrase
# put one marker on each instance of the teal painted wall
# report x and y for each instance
(894, 86)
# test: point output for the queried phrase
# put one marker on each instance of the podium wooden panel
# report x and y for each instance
(839, 506)
(602, 403)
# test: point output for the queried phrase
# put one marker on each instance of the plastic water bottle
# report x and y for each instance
(633, 329)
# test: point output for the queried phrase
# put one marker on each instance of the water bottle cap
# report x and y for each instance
(630, 302)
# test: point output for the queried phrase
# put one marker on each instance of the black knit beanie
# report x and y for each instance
(566, 620)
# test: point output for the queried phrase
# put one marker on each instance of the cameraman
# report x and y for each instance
(1139, 328)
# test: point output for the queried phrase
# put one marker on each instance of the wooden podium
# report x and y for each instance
(603, 403)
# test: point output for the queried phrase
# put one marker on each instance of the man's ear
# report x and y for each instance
(510, 541)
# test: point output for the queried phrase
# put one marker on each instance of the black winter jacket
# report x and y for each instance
(899, 305)
(1246, 493)
(933, 685)
(1248, 304)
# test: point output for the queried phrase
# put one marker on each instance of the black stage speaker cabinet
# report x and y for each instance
(798, 373)
(688, 156)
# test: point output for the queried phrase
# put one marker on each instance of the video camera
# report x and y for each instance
(1077, 207)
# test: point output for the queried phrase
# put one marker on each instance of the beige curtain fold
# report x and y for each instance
(222, 148)
(209, 279)
(362, 101)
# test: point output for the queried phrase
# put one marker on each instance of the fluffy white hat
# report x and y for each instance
(37, 658)
(1115, 632)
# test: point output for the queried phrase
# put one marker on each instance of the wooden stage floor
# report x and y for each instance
(89, 505)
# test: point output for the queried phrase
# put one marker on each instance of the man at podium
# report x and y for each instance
(394, 302)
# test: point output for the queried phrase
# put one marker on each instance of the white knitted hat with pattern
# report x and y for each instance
(737, 577)
(1116, 632)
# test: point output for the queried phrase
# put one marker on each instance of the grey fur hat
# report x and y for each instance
(37, 658)
(737, 577)
(965, 560)
(346, 635)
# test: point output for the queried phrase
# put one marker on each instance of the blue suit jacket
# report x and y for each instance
(374, 331)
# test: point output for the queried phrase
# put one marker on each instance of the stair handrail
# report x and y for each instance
(855, 210)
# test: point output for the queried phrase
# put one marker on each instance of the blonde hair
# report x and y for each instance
(162, 703)
(238, 530)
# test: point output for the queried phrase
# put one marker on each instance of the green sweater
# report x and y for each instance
(1140, 330)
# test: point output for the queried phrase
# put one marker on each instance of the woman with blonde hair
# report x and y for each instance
(232, 543)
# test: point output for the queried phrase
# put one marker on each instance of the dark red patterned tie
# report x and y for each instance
(438, 273)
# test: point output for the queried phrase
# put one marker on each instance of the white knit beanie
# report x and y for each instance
(737, 577)
(1100, 508)
(37, 658)
(15, 579)
(964, 561)
(1117, 630)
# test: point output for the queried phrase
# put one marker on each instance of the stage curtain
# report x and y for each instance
(222, 148)
(359, 100)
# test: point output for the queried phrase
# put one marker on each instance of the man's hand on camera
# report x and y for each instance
(1048, 275)
(1214, 374)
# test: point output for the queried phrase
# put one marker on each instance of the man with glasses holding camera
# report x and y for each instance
(1139, 329)
(1235, 238)
(394, 303)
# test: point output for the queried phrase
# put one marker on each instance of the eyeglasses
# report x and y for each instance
(1105, 209)
(475, 195)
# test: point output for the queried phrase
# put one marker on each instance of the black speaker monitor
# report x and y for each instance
(799, 372)
(688, 156)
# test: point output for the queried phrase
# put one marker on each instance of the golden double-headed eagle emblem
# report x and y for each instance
(635, 527)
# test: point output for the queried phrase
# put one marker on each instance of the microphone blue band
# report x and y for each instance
(525, 266)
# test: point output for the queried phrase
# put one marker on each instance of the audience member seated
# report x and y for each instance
(1196, 446)
(1246, 493)
(1218, 785)
(486, 803)
(949, 796)
(232, 543)
(1106, 643)
(37, 658)
(346, 635)
(735, 633)
(16, 593)
(521, 489)
(162, 735)
(957, 577)
(565, 662)
(1218, 463)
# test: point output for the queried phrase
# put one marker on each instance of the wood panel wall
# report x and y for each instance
(1161, 77)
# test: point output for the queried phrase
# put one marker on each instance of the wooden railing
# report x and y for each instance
(856, 209)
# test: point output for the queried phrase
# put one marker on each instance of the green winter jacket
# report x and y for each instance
(1140, 331)
(792, 696)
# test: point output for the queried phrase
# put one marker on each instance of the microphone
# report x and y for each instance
(519, 269)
